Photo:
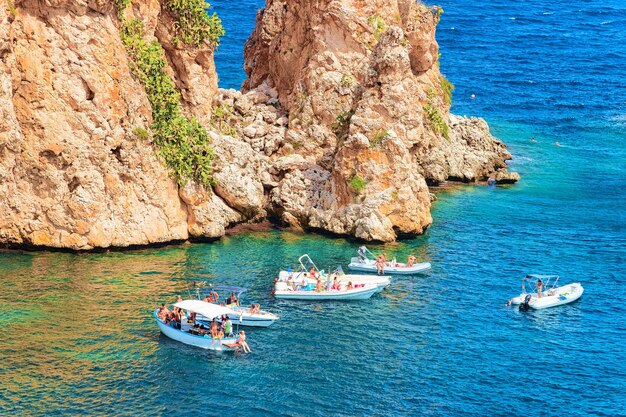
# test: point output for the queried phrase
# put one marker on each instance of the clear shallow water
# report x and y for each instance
(78, 337)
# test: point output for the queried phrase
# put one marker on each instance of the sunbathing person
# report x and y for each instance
(350, 286)
(410, 261)
(241, 341)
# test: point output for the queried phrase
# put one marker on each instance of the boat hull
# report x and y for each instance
(380, 281)
(562, 295)
(194, 340)
(356, 294)
(397, 269)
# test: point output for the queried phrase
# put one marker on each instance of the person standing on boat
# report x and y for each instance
(361, 251)
(539, 288)
(380, 265)
(232, 299)
(228, 327)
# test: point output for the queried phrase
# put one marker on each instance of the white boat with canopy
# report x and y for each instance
(251, 316)
(306, 277)
(311, 283)
(193, 335)
(366, 262)
(543, 291)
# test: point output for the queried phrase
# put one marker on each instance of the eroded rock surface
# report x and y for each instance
(368, 113)
(334, 130)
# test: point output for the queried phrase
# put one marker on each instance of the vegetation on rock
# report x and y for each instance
(219, 119)
(436, 121)
(182, 142)
(341, 125)
(446, 87)
(437, 11)
(378, 138)
(193, 23)
(357, 183)
(379, 25)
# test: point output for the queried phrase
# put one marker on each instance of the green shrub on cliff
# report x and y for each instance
(379, 25)
(220, 119)
(436, 121)
(193, 23)
(437, 11)
(182, 142)
(342, 123)
(378, 138)
(446, 87)
(357, 183)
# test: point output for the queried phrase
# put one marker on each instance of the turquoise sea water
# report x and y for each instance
(78, 337)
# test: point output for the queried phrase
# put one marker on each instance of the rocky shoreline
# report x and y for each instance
(341, 126)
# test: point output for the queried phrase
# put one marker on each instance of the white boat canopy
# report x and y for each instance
(206, 309)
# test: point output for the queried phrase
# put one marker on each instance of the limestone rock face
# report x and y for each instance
(72, 173)
(343, 121)
(368, 112)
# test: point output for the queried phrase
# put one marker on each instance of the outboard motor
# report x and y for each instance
(525, 306)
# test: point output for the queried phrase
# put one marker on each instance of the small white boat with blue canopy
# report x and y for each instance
(251, 316)
(308, 275)
(543, 291)
(191, 333)
(366, 262)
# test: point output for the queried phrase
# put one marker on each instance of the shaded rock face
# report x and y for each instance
(367, 107)
(332, 132)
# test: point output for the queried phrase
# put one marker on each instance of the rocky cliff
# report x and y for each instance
(342, 123)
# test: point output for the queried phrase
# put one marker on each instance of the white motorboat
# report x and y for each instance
(551, 295)
(195, 336)
(307, 275)
(359, 293)
(243, 316)
(365, 263)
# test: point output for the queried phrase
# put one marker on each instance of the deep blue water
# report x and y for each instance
(81, 339)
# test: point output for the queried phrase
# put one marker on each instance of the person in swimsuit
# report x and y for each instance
(241, 341)
(410, 261)
(539, 288)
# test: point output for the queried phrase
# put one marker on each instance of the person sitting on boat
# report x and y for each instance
(319, 286)
(350, 286)
(255, 309)
(162, 313)
(218, 335)
(336, 285)
(241, 341)
(539, 288)
(410, 261)
(312, 272)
